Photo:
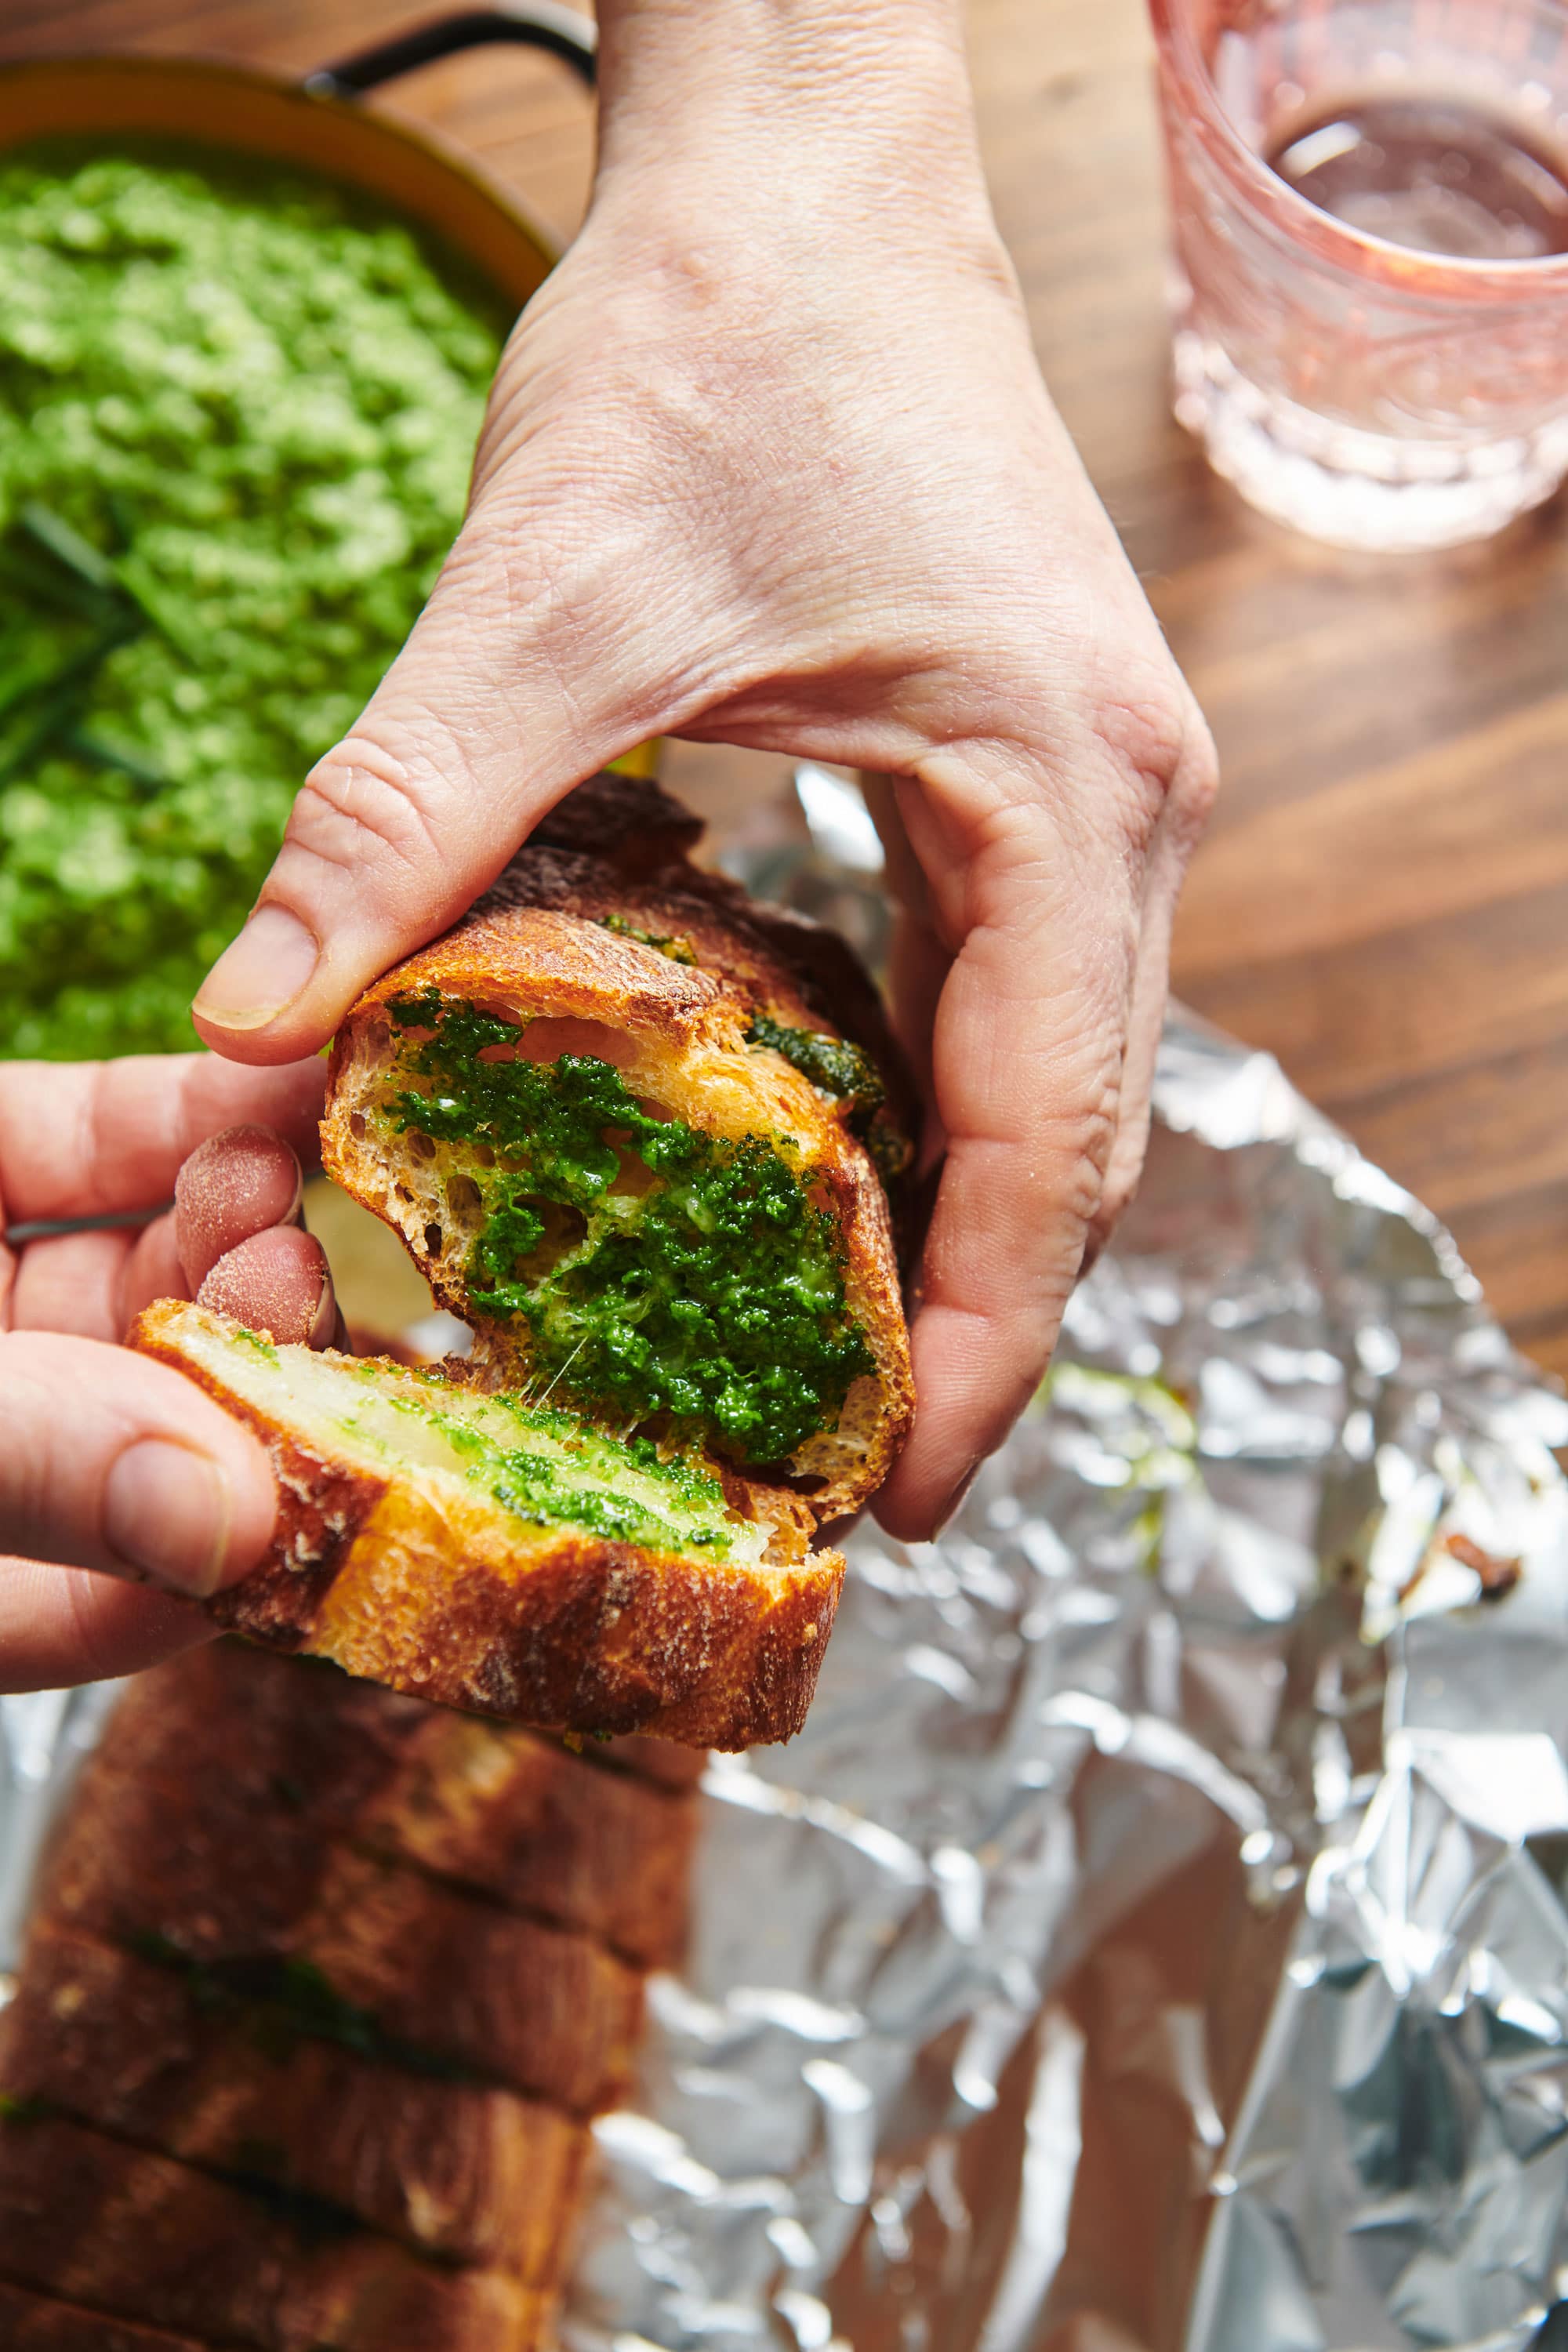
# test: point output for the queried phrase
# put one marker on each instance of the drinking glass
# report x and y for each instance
(1370, 212)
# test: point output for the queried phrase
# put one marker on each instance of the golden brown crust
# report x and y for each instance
(423, 1969)
(36, 2322)
(474, 2174)
(450, 1600)
(483, 1805)
(87, 2221)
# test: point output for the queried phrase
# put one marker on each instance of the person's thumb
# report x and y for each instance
(527, 671)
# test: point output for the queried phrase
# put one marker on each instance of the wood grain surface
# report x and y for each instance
(1382, 899)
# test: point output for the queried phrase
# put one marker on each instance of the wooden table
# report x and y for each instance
(1383, 900)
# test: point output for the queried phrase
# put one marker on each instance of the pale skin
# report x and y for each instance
(768, 461)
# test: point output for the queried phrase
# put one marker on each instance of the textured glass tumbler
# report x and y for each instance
(1381, 362)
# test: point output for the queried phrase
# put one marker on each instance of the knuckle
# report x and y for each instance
(357, 808)
(1162, 752)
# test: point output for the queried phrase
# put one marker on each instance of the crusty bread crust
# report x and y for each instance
(36, 2322)
(464, 2170)
(85, 2220)
(486, 1806)
(452, 1600)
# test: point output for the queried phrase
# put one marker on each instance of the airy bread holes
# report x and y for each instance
(564, 1230)
(547, 1039)
(634, 1178)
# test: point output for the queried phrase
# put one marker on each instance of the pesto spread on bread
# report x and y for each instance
(660, 1271)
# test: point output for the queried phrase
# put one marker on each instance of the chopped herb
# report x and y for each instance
(25, 2111)
(678, 950)
(282, 2002)
(832, 1064)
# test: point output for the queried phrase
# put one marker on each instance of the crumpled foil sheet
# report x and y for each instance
(1156, 1941)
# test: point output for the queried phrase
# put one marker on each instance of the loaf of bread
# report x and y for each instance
(322, 1987)
(86, 2219)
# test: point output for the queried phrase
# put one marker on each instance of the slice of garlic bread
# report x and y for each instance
(508, 1557)
(622, 1138)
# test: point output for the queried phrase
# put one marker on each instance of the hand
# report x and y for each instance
(769, 460)
(115, 1467)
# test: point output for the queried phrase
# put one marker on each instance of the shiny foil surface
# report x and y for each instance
(1156, 1941)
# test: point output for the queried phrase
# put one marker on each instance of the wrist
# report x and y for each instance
(818, 96)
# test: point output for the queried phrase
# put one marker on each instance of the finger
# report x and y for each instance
(276, 1282)
(89, 1139)
(151, 1270)
(70, 1284)
(61, 1626)
(522, 676)
(234, 1184)
(115, 1462)
(1028, 1058)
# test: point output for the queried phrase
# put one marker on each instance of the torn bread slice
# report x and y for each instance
(191, 2069)
(86, 2219)
(337, 1946)
(511, 1559)
(503, 1811)
(622, 1144)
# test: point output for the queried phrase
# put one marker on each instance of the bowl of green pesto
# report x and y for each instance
(239, 404)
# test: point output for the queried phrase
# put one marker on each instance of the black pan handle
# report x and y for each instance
(539, 24)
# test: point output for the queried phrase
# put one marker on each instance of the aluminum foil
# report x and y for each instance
(1156, 1941)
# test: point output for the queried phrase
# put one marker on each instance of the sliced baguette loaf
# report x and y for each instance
(89, 2221)
(396, 1557)
(490, 1808)
(189, 2069)
(339, 1945)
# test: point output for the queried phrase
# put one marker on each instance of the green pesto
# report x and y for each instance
(832, 1064)
(678, 950)
(279, 2003)
(847, 1071)
(714, 1300)
(590, 1488)
(238, 409)
(266, 1348)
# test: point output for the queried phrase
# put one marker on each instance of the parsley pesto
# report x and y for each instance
(238, 409)
(660, 1273)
